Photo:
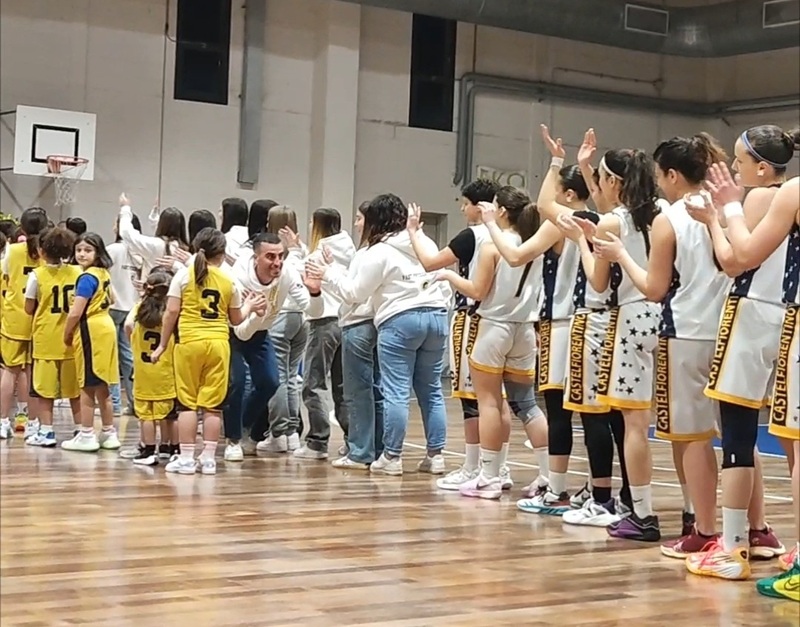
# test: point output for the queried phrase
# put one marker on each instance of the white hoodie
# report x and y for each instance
(349, 313)
(235, 239)
(391, 276)
(288, 284)
(343, 251)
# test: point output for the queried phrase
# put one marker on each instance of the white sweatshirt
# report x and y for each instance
(391, 276)
(343, 250)
(148, 247)
(288, 284)
(235, 239)
(125, 270)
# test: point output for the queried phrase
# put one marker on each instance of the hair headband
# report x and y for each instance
(604, 166)
(749, 147)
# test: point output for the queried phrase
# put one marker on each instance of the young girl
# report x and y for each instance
(153, 383)
(170, 235)
(504, 352)
(203, 301)
(48, 297)
(15, 343)
(91, 331)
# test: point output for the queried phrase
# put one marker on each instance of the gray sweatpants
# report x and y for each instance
(289, 335)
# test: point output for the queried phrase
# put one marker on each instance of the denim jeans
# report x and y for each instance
(125, 362)
(362, 391)
(258, 354)
(323, 356)
(411, 349)
(289, 335)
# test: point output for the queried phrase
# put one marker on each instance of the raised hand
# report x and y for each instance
(701, 207)
(609, 249)
(181, 255)
(588, 147)
(168, 261)
(488, 211)
(588, 227)
(556, 146)
(327, 255)
(414, 221)
(724, 188)
(312, 282)
(569, 227)
(315, 269)
(289, 238)
(124, 201)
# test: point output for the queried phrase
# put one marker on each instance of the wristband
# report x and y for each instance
(556, 162)
(733, 209)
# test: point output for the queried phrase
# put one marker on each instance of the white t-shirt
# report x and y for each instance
(124, 272)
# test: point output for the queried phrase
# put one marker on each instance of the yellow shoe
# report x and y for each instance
(783, 586)
(20, 420)
(717, 562)
(788, 560)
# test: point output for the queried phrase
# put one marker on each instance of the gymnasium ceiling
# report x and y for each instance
(693, 28)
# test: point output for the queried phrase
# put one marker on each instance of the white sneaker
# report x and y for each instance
(309, 453)
(592, 514)
(181, 466)
(83, 443)
(6, 429)
(505, 478)
(31, 428)
(131, 452)
(273, 444)
(434, 465)
(293, 442)
(483, 488)
(456, 479)
(207, 465)
(249, 446)
(386, 466)
(45, 440)
(346, 462)
(580, 497)
(233, 453)
(109, 440)
(535, 488)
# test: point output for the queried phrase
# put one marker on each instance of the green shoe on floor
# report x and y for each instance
(783, 586)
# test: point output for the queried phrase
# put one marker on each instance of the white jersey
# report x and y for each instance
(515, 292)
(559, 273)
(791, 278)
(637, 243)
(693, 305)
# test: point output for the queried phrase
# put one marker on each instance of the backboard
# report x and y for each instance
(40, 132)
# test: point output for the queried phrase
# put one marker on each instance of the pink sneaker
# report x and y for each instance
(764, 544)
(482, 488)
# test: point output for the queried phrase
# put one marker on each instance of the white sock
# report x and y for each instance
(734, 529)
(22, 408)
(46, 428)
(542, 455)
(642, 500)
(558, 482)
(187, 452)
(473, 458)
(687, 500)
(209, 449)
(503, 457)
(490, 463)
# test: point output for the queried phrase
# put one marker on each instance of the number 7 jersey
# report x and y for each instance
(151, 382)
(204, 308)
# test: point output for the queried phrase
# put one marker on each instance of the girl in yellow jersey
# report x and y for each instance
(91, 331)
(48, 297)
(203, 301)
(153, 383)
(15, 339)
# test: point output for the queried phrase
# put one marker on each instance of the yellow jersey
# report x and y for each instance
(151, 382)
(16, 323)
(204, 308)
(101, 300)
(56, 291)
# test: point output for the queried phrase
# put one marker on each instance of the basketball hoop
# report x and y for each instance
(66, 172)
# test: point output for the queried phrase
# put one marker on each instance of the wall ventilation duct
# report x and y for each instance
(718, 30)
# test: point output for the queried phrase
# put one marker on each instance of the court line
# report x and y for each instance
(783, 499)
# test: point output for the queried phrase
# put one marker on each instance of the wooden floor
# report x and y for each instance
(89, 539)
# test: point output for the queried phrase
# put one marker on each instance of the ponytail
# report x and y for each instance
(528, 221)
(634, 169)
(154, 300)
(691, 157)
(200, 267)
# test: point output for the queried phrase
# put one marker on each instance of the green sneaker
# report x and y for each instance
(783, 586)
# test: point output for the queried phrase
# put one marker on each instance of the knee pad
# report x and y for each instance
(739, 435)
(522, 400)
(469, 407)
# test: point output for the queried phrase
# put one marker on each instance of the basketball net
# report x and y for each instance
(66, 173)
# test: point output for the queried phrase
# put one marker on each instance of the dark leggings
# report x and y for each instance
(739, 434)
(601, 431)
(559, 423)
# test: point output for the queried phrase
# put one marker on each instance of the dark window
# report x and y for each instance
(202, 50)
(433, 68)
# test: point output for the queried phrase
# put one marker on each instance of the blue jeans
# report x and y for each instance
(125, 362)
(411, 348)
(362, 392)
(251, 406)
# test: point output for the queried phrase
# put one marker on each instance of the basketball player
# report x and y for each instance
(202, 301)
(504, 350)
(626, 358)
(747, 349)
(463, 252)
(15, 343)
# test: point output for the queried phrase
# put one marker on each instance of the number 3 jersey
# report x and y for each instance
(151, 382)
(53, 287)
(204, 307)
(514, 296)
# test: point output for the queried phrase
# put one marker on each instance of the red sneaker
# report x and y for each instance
(764, 544)
(687, 545)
